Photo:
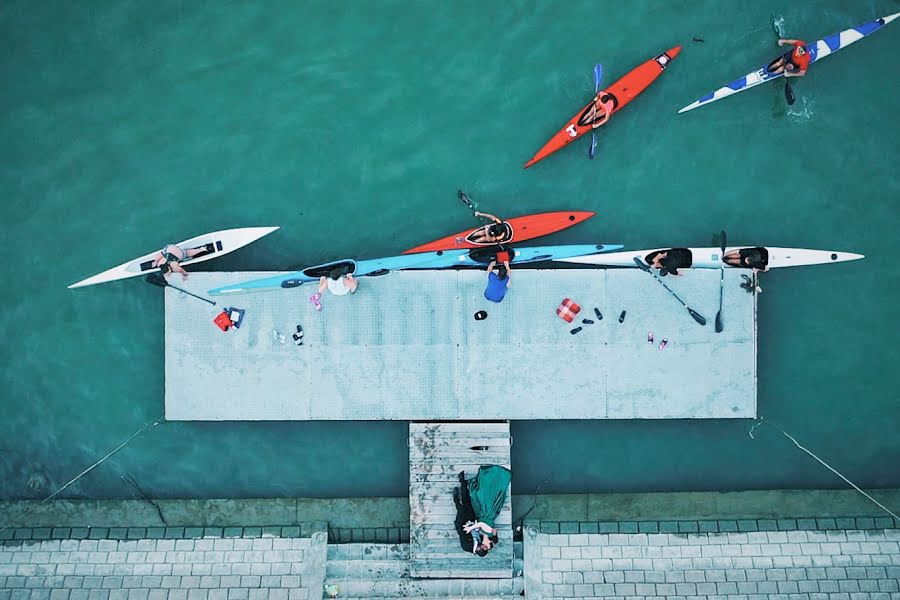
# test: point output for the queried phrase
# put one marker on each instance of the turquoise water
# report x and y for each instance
(126, 125)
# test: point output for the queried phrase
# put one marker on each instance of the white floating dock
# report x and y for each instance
(406, 347)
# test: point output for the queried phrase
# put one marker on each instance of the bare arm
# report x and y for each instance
(491, 266)
(323, 283)
(176, 268)
(485, 528)
(489, 216)
(786, 42)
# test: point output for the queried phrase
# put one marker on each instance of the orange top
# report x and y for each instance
(798, 58)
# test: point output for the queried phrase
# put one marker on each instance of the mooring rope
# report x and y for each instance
(80, 475)
(825, 464)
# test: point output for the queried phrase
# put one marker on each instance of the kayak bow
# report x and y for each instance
(523, 228)
(216, 244)
(817, 51)
(623, 91)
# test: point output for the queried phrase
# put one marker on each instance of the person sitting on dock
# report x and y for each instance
(168, 260)
(498, 281)
(338, 282)
(494, 233)
(486, 493)
(600, 111)
(748, 258)
(794, 63)
(669, 261)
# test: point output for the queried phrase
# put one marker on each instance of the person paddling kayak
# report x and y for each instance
(600, 111)
(495, 233)
(168, 260)
(794, 63)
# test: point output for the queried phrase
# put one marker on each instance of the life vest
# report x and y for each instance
(223, 321)
(567, 310)
(236, 315)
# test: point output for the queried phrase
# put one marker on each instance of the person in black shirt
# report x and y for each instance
(669, 261)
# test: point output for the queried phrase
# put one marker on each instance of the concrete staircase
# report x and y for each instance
(373, 571)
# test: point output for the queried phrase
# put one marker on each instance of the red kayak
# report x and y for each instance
(520, 229)
(623, 91)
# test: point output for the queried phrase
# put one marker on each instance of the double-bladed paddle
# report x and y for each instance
(159, 280)
(646, 268)
(598, 77)
(719, 324)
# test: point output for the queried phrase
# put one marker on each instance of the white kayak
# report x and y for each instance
(215, 244)
(817, 51)
(709, 258)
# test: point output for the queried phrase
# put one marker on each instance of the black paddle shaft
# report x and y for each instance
(646, 268)
(723, 241)
(160, 281)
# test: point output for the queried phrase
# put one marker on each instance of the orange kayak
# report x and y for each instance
(523, 228)
(623, 91)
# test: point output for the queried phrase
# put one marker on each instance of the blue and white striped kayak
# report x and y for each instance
(443, 259)
(817, 51)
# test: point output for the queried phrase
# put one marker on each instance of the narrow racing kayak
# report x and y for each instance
(427, 260)
(520, 230)
(215, 244)
(817, 51)
(710, 258)
(623, 91)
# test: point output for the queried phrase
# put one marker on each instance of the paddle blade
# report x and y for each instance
(641, 265)
(719, 324)
(593, 146)
(464, 199)
(697, 316)
(598, 77)
(157, 279)
(723, 241)
(789, 93)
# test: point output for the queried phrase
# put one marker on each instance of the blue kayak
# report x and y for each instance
(446, 259)
(817, 51)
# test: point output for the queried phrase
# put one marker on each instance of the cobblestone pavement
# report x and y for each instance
(176, 563)
(791, 559)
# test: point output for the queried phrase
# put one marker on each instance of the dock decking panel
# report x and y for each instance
(406, 347)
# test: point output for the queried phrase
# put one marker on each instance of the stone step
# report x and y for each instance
(368, 551)
(370, 569)
(493, 597)
(428, 588)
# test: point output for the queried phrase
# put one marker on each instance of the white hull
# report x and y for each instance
(709, 258)
(219, 242)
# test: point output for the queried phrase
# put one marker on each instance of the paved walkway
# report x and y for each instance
(259, 564)
(790, 564)
(787, 559)
(406, 347)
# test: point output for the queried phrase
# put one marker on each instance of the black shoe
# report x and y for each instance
(462, 476)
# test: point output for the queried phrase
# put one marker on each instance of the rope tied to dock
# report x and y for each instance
(82, 474)
(826, 465)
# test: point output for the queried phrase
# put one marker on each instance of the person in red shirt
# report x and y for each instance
(793, 64)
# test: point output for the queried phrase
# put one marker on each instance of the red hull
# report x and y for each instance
(625, 90)
(524, 228)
